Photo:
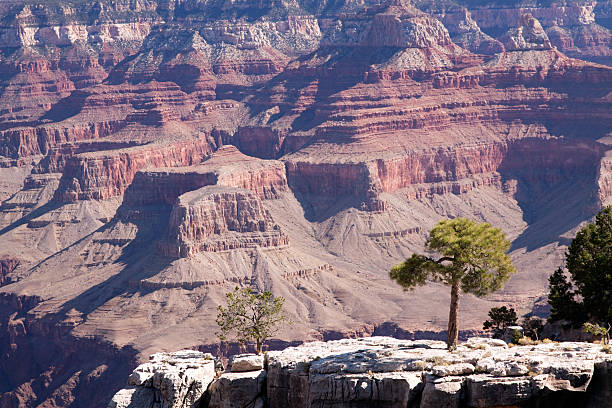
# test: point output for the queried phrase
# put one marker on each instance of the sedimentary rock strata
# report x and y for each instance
(106, 174)
(226, 166)
(380, 371)
(220, 219)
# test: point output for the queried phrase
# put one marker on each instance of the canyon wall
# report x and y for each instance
(50, 368)
(220, 219)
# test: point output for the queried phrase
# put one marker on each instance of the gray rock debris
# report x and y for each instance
(529, 35)
(383, 372)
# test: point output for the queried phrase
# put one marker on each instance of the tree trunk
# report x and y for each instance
(453, 331)
(259, 346)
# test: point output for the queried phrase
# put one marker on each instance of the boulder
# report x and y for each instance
(133, 397)
(443, 392)
(246, 362)
(488, 391)
(393, 390)
(453, 369)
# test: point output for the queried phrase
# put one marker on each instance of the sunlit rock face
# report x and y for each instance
(155, 154)
(379, 371)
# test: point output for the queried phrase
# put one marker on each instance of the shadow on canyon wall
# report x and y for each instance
(43, 365)
(139, 261)
(555, 186)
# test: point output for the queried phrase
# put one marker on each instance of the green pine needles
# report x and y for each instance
(472, 259)
(251, 316)
(584, 292)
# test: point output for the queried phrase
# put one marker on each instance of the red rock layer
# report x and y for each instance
(56, 158)
(327, 183)
(78, 116)
(441, 171)
(28, 141)
(536, 160)
(226, 167)
(31, 85)
(217, 218)
(103, 175)
(260, 141)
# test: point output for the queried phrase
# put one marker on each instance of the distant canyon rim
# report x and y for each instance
(156, 153)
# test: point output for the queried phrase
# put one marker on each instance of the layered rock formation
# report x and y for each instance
(220, 219)
(381, 371)
(580, 29)
(154, 154)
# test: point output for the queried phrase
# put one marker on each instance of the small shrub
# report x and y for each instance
(516, 336)
(599, 331)
(526, 341)
(419, 365)
(251, 316)
(500, 318)
(437, 360)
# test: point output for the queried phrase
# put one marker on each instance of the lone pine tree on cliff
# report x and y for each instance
(472, 258)
(251, 316)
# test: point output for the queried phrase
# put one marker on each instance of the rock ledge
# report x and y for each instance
(381, 372)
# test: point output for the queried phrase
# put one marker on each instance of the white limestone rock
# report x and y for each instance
(453, 369)
(238, 390)
(442, 392)
(246, 362)
(173, 380)
(133, 397)
(485, 342)
(394, 390)
(379, 371)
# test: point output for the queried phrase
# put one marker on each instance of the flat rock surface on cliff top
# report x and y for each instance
(479, 373)
(384, 371)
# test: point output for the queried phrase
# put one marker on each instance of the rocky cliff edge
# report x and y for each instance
(378, 372)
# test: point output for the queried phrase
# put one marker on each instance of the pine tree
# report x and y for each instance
(472, 259)
(251, 316)
(585, 292)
